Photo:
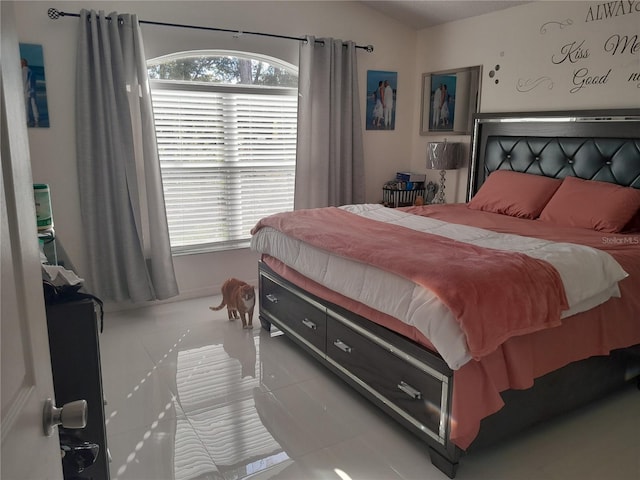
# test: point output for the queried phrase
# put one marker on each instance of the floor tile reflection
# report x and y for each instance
(193, 396)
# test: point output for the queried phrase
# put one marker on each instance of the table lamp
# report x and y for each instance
(442, 156)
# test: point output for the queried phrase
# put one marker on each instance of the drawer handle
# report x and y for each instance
(409, 390)
(309, 324)
(272, 298)
(342, 346)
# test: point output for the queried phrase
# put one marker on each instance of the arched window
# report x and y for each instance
(226, 130)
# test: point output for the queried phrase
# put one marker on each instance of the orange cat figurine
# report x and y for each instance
(240, 298)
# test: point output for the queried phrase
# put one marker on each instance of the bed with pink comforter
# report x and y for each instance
(520, 343)
(503, 299)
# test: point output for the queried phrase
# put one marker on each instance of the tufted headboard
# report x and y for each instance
(594, 145)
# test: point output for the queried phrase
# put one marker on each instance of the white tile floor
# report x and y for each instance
(193, 396)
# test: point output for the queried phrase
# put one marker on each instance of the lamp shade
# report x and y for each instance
(442, 155)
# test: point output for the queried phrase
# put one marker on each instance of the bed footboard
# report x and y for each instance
(408, 382)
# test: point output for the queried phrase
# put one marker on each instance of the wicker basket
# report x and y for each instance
(392, 197)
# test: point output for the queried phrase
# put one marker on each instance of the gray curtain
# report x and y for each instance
(122, 201)
(330, 159)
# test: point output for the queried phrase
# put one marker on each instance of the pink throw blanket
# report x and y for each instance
(494, 295)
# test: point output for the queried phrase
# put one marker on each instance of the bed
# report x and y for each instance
(456, 319)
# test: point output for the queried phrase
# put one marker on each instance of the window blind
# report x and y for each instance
(227, 159)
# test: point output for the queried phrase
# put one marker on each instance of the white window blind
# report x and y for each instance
(228, 158)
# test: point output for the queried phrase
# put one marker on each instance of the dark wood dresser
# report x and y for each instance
(77, 375)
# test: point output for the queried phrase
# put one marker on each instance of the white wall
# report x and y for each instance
(53, 149)
(530, 43)
(523, 40)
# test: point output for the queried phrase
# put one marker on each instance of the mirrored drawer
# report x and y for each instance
(304, 319)
(400, 382)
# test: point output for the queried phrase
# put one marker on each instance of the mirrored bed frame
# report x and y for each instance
(411, 383)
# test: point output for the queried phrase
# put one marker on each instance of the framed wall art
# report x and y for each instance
(34, 85)
(449, 100)
(382, 91)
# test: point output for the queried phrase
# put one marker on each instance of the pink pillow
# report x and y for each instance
(634, 224)
(516, 194)
(601, 206)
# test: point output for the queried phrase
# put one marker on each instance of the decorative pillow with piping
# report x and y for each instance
(516, 194)
(600, 206)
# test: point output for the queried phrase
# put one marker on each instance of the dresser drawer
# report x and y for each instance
(294, 312)
(398, 381)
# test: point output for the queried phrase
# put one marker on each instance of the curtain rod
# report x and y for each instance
(54, 14)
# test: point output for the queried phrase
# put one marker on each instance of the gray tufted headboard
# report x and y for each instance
(594, 145)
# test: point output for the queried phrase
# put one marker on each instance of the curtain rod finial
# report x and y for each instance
(53, 13)
(369, 48)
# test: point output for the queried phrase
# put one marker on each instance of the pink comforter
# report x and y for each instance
(520, 360)
(494, 295)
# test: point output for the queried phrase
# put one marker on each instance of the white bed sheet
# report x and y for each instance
(590, 276)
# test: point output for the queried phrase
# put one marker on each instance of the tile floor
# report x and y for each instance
(193, 396)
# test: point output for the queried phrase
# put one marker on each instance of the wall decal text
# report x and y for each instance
(573, 52)
(582, 79)
(606, 10)
(577, 51)
(618, 44)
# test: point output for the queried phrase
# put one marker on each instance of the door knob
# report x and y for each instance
(71, 415)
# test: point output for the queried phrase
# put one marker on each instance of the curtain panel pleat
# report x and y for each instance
(329, 158)
(121, 195)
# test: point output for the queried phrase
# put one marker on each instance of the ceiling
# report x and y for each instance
(420, 14)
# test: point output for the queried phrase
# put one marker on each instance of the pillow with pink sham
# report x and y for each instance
(634, 224)
(600, 206)
(516, 194)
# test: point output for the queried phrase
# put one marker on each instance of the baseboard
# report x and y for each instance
(209, 291)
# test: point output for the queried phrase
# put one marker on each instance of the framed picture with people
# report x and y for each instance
(382, 91)
(449, 100)
(34, 85)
